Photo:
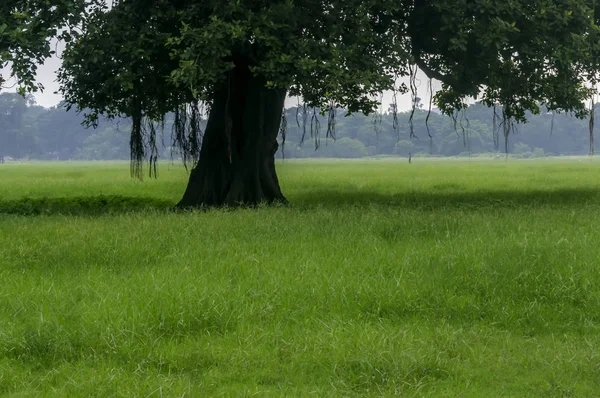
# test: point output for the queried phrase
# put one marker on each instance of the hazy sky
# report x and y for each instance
(47, 76)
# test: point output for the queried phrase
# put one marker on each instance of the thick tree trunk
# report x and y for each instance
(237, 158)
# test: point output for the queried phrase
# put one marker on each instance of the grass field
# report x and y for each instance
(440, 278)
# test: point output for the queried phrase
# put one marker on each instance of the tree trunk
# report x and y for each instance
(237, 157)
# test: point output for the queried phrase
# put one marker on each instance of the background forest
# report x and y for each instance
(29, 131)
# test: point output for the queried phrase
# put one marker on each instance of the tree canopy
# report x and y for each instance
(26, 28)
(519, 54)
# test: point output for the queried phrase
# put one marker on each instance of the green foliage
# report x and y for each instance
(282, 40)
(439, 278)
(26, 28)
(518, 54)
(154, 57)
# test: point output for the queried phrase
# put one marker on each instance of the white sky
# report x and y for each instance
(47, 76)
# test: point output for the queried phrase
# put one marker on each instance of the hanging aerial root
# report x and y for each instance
(462, 127)
(331, 121)
(454, 117)
(283, 128)
(378, 118)
(591, 126)
(298, 113)
(466, 131)
(413, 92)
(150, 131)
(136, 147)
(315, 128)
(304, 122)
(187, 133)
(507, 126)
(144, 141)
(496, 128)
(430, 90)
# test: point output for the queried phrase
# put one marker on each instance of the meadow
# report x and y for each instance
(438, 278)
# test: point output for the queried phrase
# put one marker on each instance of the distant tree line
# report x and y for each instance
(29, 131)
(470, 133)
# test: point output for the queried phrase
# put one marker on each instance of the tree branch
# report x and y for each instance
(432, 74)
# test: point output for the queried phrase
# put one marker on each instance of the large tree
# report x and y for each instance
(241, 58)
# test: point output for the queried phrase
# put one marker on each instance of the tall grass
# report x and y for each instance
(381, 278)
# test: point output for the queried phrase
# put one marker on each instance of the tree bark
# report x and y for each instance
(237, 157)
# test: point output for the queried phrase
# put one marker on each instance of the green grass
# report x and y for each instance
(381, 278)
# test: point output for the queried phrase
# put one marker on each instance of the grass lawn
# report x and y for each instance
(438, 278)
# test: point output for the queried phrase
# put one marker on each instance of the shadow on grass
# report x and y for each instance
(431, 200)
(421, 200)
(82, 205)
